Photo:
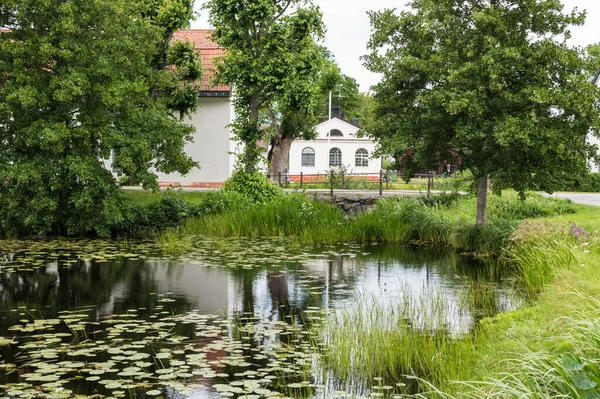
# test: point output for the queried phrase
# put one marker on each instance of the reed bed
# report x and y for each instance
(413, 335)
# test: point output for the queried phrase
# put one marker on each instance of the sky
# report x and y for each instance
(348, 30)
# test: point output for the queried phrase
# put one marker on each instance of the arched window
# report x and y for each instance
(336, 133)
(335, 157)
(308, 157)
(362, 157)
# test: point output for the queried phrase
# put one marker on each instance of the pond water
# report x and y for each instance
(230, 318)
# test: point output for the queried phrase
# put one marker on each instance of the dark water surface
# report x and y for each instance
(231, 318)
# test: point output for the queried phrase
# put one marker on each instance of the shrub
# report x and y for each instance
(254, 186)
(216, 202)
(510, 206)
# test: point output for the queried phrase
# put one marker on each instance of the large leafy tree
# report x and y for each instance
(266, 42)
(295, 112)
(305, 102)
(492, 80)
(77, 79)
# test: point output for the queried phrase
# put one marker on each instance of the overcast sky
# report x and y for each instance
(348, 30)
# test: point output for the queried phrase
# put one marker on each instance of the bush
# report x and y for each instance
(254, 186)
(216, 202)
(510, 206)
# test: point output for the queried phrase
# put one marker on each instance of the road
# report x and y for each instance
(368, 193)
(580, 198)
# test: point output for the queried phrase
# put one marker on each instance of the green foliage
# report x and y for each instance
(283, 216)
(78, 79)
(589, 183)
(344, 90)
(268, 43)
(254, 186)
(492, 81)
(535, 205)
(438, 220)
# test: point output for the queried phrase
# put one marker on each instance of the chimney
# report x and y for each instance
(336, 112)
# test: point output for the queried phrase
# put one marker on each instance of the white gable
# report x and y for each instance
(347, 130)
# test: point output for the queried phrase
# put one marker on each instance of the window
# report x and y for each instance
(336, 133)
(335, 157)
(362, 157)
(308, 157)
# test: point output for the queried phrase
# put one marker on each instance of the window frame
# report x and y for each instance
(361, 158)
(335, 154)
(308, 155)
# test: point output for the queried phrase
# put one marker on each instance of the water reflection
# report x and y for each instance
(265, 294)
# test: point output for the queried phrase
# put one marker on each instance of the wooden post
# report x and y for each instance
(279, 179)
(331, 181)
(301, 176)
(381, 183)
(343, 181)
(428, 186)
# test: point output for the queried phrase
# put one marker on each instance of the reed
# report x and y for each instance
(407, 337)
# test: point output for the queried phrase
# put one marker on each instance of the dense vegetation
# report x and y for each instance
(491, 83)
(77, 86)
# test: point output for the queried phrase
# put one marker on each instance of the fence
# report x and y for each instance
(384, 180)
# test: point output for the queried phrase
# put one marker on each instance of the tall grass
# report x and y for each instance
(567, 367)
(412, 339)
(408, 337)
(447, 222)
(286, 216)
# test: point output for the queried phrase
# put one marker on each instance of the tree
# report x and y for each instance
(492, 80)
(265, 41)
(295, 113)
(593, 60)
(344, 90)
(77, 79)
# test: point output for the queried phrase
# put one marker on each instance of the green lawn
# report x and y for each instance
(147, 197)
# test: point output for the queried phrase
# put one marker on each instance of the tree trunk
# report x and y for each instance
(278, 157)
(251, 154)
(482, 196)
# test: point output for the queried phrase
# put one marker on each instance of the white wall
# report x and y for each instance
(594, 167)
(348, 144)
(212, 145)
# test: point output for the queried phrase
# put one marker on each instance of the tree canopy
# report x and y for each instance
(267, 43)
(78, 79)
(492, 81)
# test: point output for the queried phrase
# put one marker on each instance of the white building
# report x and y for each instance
(344, 149)
(212, 146)
(591, 138)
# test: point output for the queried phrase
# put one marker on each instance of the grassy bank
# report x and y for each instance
(547, 349)
(443, 221)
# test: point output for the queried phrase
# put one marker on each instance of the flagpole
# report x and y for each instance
(329, 135)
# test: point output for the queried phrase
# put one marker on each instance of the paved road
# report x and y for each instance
(581, 198)
(369, 193)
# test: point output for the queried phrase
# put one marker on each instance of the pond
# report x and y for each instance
(231, 318)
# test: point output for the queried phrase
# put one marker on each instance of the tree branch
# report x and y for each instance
(283, 9)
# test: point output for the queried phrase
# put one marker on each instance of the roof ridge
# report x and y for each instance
(197, 29)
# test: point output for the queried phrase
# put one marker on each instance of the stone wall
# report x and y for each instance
(350, 204)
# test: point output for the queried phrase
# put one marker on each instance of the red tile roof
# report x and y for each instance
(209, 51)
